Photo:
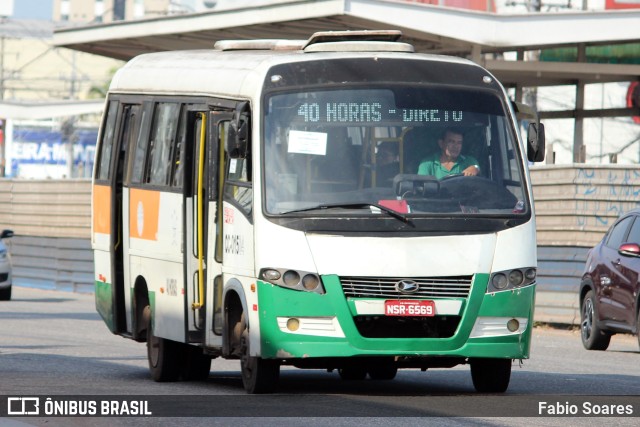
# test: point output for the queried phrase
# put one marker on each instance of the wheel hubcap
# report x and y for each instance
(587, 319)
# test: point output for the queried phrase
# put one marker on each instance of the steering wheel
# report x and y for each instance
(478, 191)
(451, 176)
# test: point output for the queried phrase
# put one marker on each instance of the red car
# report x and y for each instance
(610, 288)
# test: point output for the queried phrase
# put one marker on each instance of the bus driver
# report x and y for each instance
(449, 161)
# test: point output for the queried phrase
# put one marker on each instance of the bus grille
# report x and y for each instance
(406, 327)
(385, 287)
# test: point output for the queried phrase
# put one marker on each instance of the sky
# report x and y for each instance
(33, 9)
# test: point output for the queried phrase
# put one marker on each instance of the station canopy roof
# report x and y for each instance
(430, 29)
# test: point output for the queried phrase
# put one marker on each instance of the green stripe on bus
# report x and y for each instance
(275, 301)
(104, 303)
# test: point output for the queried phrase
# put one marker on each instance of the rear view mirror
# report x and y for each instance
(535, 131)
(629, 249)
(407, 185)
(535, 142)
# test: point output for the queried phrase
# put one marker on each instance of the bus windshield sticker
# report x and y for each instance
(308, 142)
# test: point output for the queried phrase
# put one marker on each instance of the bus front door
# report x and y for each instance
(203, 273)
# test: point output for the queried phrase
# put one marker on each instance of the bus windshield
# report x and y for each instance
(417, 150)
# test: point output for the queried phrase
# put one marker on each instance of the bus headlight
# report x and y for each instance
(530, 273)
(515, 277)
(270, 274)
(499, 281)
(511, 279)
(292, 279)
(310, 282)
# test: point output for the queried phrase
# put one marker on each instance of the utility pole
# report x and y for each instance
(3, 120)
(68, 125)
(2, 20)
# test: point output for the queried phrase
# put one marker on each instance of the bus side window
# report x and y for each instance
(177, 174)
(140, 153)
(163, 134)
(103, 171)
(238, 187)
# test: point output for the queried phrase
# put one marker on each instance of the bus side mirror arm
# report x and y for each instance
(238, 133)
(535, 131)
(535, 142)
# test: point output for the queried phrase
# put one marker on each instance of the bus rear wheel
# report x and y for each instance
(163, 355)
(196, 365)
(491, 375)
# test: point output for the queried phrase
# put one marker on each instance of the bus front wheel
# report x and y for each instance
(491, 375)
(352, 373)
(163, 355)
(258, 375)
(384, 372)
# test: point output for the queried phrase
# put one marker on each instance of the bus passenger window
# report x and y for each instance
(106, 147)
(178, 155)
(140, 151)
(162, 138)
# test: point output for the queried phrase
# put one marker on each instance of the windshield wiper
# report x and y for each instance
(389, 211)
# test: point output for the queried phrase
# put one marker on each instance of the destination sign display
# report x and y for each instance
(371, 112)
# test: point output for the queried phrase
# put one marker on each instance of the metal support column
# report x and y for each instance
(579, 151)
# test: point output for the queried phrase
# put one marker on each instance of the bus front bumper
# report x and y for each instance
(306, 325)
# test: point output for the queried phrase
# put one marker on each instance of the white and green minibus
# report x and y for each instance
(243, 209)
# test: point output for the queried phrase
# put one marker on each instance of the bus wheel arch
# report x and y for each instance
(234, 305)
(258, 375)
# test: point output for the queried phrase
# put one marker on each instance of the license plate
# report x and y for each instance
(409, 308)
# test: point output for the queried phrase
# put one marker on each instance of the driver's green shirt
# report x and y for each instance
(432, 166)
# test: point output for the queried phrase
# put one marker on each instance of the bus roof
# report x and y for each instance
(224, 70)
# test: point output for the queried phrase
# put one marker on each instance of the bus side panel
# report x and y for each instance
(128, 284)
(155, 239)
(101, 241)
(238, 266)
(104, 291)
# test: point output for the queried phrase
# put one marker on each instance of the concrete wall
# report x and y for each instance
(575, 205)
(46, 208)
(51, 220)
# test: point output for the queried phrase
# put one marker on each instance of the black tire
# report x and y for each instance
(491, 375)
(593, 337)
(383, 372)
(5, 294)
(164, 355)
(352, 373)
(259, 375)
(196, 365)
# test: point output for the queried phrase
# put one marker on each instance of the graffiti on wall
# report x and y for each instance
(602, 195)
